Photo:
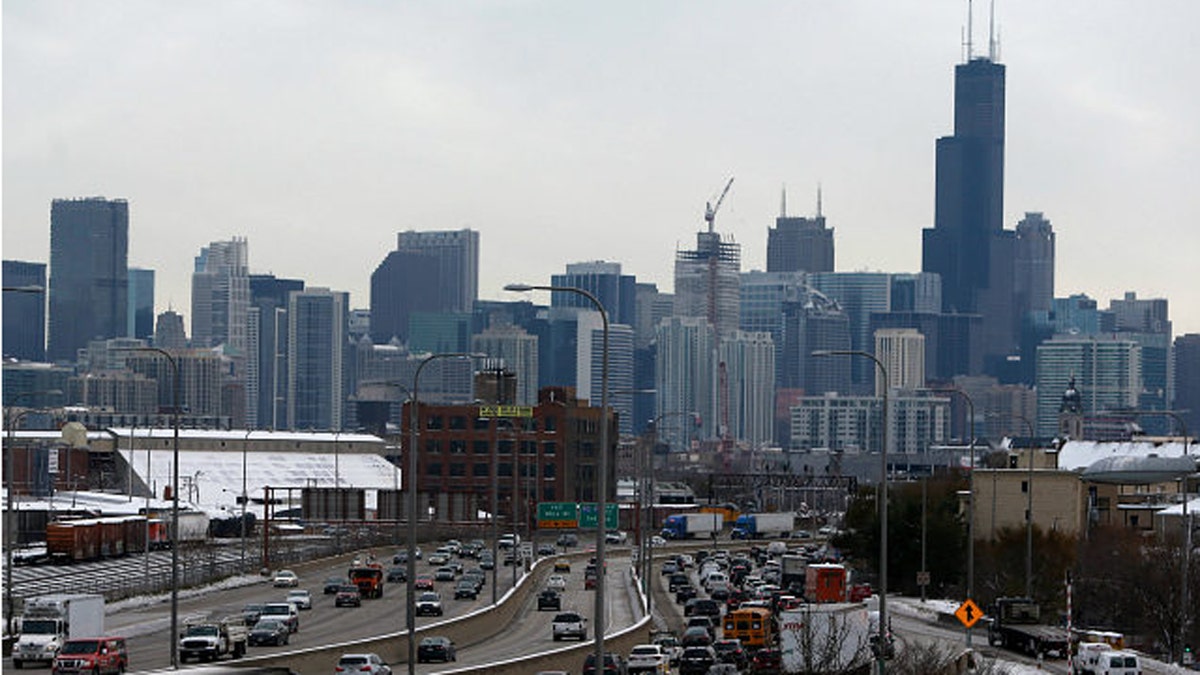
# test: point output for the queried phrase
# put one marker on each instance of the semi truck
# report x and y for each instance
(207, 640)
(1016, 625)
(792, 571)
(691, 525)
(826, 638)
(763, 525)
(50, 620)
(369, 579)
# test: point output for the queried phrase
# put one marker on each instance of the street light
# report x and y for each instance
(882, 649)
(602, 462)
(411, 583)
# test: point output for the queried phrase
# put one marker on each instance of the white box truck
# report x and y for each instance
(49, 620)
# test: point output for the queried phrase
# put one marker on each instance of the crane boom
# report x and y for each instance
(710, 210)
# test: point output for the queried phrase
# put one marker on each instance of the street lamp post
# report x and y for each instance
(601, 464)
(882, 648)
(174, 502)
(411, 582)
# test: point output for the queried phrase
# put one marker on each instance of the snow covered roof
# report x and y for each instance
(1177, 509)
(1078, 455)
(243, 435)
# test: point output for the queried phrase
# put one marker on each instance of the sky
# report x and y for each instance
(568, 131)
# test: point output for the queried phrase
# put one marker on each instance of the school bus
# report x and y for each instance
(752, 625)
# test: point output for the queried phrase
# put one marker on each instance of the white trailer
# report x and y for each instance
(825, 638)
(49, 620)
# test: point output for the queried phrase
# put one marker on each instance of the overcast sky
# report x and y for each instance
(571, 131)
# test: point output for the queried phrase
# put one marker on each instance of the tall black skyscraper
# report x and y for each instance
(799, 244)
(968, 245)
(25, 313)
(89, 273)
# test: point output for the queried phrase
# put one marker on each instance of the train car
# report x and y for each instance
(193, 527)
(158, 538)
(73, 540)
(112, 536)
(135, 533)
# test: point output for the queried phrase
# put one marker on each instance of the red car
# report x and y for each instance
(424, 583)
(860, 592)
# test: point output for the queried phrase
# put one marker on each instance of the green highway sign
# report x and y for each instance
(506, 411)
(558, 515)
(587, 516)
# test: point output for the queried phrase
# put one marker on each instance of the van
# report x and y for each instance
(91, 655)
(1115, 663)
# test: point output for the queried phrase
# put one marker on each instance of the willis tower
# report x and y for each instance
(968, 245)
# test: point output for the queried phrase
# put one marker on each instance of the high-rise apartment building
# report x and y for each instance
(761, 309)
(859, 294)
(403, 284)
(89, 273)
(748, 403)
(141, 303)
(457, 253)
(800, 244)
(1033, 278)
(685, 380)
(316, 340)
(1107, 370)
(902, 352)
(1148, 322)
(221, 295)
(706, 281)
(267, 350)
(25, 312)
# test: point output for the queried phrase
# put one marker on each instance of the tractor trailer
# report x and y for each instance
(692, 525)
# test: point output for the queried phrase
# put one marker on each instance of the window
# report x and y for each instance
(458, 469)
(549, 471)
(433, 422)
(458, 422)
(506, 447)
(504, 469)
(433, 469)
(549, 447)
(550, 423)
(482, 423)
(528, 447)
(1024, 486)
(433, 445)
(480, 447)
(480, 470)
(458, 446)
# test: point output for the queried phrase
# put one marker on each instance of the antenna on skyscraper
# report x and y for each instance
(783, 201)
(818, 200)
(969, 36)
(992, 31)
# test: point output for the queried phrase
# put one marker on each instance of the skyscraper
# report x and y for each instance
(519, 352)
(706, 281)
(221, 295)
(457, 253)
(616, 292)
(968, 245)
(316, 340)
(1107, 370)
(748, 360)
(800, 244)
(169, 332)
(902, 351)
(141, 303)
(859, 294)
(1033, 278)
(25, 313)
(267, 354)
(1187, 379)
(685, 380)
(434, 271)
(89, 273)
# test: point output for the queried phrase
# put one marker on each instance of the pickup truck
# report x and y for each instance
(647, 659)
(208, 640)
(568, 624)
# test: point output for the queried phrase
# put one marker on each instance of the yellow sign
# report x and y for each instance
(968, 613)
(506, 411)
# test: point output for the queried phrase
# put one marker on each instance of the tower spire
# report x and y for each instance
(970, 37)
(783, 201)
(819, 200)
(992, 56)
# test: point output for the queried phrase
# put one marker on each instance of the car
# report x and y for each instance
(568, 624)
(436, 648)
(332, 584)
(556, 582)
(678, 579)
(657, 541)
(301, 598)
(670, 646)
(705, 607)
(438, 559)
(549, 599)
(444, 573)
(252, 613)
(669, 567)
(284, 611)
(696, 636)
(706, 622)
(729, 650)
(348, 596)
(723, 669)
(562, 565)
(466, 589)
(424, 582)
(696, 660)
(617, 537)
(802, 534)
(369, 663)
(589, 582)
(613, 665)
(429, 603)
(397, 574)
(546, 549)
(684, 593)
(268, 632)
(567, 540)
(285, 578)
(477, 577)
(767, 660)
(647, 659)
(827, 531)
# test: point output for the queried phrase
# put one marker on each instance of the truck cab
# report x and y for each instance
(95, 656)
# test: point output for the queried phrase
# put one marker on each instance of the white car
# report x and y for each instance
(647, 659)
(285, 578)
(300, 598)
(657, 541)
(362, 663)
(556, 582)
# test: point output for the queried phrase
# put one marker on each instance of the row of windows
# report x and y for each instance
(460, 422)
(457, 446)
(480, 470)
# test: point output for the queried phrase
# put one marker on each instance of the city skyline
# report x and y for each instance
(584, 135)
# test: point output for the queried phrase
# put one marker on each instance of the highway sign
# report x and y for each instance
(968, 613)
(558, 515)
(587, 516)
(923, 578)
(506, 411)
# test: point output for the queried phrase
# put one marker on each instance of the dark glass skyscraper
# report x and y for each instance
(89, 273)
(800, 244)
(25, 313)
(968, 245)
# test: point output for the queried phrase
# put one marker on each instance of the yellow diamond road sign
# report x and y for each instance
(968, 613)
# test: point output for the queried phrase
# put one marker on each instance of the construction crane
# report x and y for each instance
(710, 210)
